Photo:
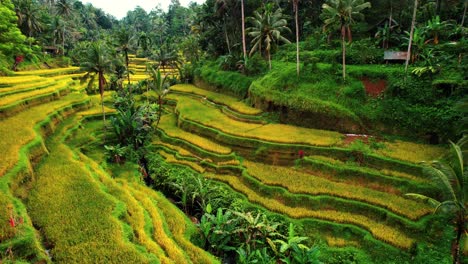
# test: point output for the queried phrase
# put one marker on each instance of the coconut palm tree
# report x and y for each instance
(451, 174)
(144, 42)
(342, 14)
(267, 28)
(296, 19)
(124, 38)
(64, 8)
(157, 83)
(244, 46)
(29, 17)
(96, 63)
(166, 57)
(413, 24)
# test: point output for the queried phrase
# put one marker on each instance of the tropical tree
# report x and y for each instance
(267, 28)
(157, 83)
(124, 38)
(451, 175)
(413, 24)
(144, 42)
(244, 46)
(11, 38)
(64, 8)
(434, 27)
(29, 17)
(96, 63)
(296, 19)
(166, 57)
(342, 14)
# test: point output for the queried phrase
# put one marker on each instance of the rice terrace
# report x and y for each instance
(225, 131)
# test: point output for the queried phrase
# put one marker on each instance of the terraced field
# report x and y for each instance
(333, 186)
(137, 67)
(67, 208)
(59, 205)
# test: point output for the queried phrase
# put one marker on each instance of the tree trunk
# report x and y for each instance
(126, 63)
(460, 230)
(159, 111)
(226, 36)
(413, 22)
(464, 14)
(389, 27)
(269, 59)
(343, 47)
(296, 11)
(63, 41)
(101, 91)
(438, 4)
(244, 46)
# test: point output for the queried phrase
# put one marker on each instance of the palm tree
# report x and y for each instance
(451, 175)
(341, 14)
(124, 37)
(144, 41)
(267, 28)
(296, 11)
(64, 8)
(244, 46)
(29, 17)
(97, 62)
(166, 57)
(413, 24)
(157, 83)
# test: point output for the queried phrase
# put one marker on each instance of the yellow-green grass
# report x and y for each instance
(299, 182)
(334, 241)
(26, 86)
(388, 172)
(20, 128)
(56, 88)
(47, 72)
(139, 77)
(168, 124)
(179, 225)
(174, 252)
(380, 231)
(193, 109)
(135, 215)
(68, 76)
(14, 80)
(409, 151)
(231, 102)
(75, 215)
(172, 159)
(180, 150)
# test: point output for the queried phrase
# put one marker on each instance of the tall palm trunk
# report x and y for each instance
(159, 110)
(343, 47)
(244, 46)
(460, 231)
(101, 91)
(227, 37)
(389, 26)
(296, 11)
(126, 63)
(269, 58)
(63, 41)
(464, 14)
(413, 22)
